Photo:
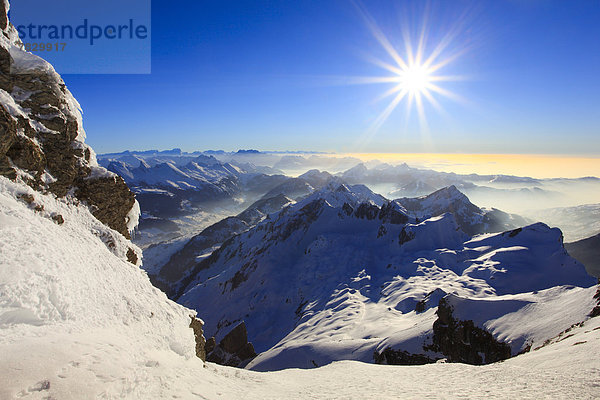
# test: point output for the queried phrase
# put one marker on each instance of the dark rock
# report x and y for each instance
(233, 350)
(197, 326)
(110, 200)
(366, 210)
(347, 209)
(58, 219)
(462, 341)
(405, 236)
(389, 214)
(46, 139)
(132, 256)
(210, 345)
(236, 339)
(27, 198)
(596, 311)
(514, 232)
(3, 16)
(400, 357)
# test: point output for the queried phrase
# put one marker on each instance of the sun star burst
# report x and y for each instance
(414, 77)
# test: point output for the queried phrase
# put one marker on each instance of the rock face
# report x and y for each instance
(233, 350)
(42, 138)
(462, 341)
(596, 311)
(196, 325)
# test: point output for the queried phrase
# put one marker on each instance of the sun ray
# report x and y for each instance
(383, 64)
(380, 36)
(433, 101)
(447, 93)
(387, 111)
(388, 93)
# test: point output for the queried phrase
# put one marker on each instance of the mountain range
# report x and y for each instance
(346, 274)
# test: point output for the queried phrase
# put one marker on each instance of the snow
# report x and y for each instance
(336, 193)
(133, 217)
(10, 105)
(63, 290)
(28, 63)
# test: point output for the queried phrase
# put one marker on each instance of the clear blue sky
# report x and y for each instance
(266, 75)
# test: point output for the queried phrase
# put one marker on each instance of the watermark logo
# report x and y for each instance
(83, 37)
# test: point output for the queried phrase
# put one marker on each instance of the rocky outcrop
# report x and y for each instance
(368, 211)
(596, 311)
(389, 214)
(462, 341)
(110, 201)
(400, 357)
(233, 350)
(197, 325)
(42, 138)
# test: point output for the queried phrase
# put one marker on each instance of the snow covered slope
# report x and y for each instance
(177, 268)
(343, 274)
(75, 315)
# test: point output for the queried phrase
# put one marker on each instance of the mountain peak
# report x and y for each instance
(449, 192)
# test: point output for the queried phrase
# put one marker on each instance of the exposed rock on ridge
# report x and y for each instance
(233, 350)
(42, 137)
(196, 325)
(462, 341)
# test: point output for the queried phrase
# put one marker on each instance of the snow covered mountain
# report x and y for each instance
(170, 187)
(516, 193)
(346, 274)
(170, 276)
(470, 218)
(77, 318)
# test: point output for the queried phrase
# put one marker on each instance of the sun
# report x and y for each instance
(414, 71)
(414, 79)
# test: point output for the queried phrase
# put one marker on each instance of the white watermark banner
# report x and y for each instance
(85, 37)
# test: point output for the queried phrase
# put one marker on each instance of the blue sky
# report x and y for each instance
(270, 75)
